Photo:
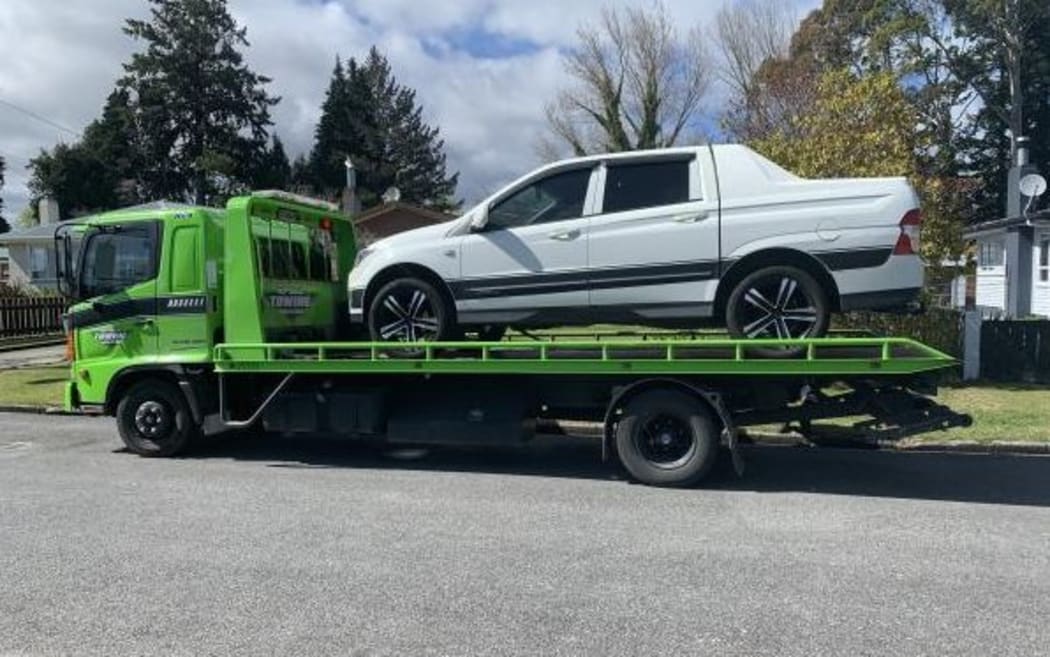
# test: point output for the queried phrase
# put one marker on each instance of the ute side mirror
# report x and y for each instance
(480, 219)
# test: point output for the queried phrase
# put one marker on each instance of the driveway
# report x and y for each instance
(32, 356)
(261, 545)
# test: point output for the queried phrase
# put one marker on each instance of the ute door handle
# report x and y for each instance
(691, 218)
(565, 235)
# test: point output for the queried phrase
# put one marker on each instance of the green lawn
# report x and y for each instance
(1000, 413)
(38, 386)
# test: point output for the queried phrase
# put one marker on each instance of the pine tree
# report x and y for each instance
(202, 113)
(273, 171)
(368, 116)
(99, 172)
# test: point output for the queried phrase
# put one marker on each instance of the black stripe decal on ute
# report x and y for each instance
(855, 258)
(639, 275)
(112, 312)
(621, 277)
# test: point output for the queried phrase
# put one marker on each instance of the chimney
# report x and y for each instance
(351, 204)
(47, 211)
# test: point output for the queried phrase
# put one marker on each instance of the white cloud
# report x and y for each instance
(490, 109)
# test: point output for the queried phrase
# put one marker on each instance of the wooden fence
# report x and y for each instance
(28, 316)
(1016, 351)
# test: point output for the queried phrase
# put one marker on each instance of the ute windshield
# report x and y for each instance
(117, 257)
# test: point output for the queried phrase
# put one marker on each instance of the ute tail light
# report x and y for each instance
(908, 242)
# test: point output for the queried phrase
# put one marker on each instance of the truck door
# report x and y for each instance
(117, 279)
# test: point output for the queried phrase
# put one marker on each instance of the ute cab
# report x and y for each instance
(149, 286)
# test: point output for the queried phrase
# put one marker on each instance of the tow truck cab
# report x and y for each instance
(154, 288)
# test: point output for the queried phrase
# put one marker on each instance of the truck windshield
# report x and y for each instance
(117, 257)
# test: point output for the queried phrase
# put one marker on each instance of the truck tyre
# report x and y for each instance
(667, 438)
(777, 302)
(409, 310)
(154, 419)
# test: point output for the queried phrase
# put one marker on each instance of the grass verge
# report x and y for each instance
(34, 386)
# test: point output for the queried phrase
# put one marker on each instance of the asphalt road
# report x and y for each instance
(262, 546)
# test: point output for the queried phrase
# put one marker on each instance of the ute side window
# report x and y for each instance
(645, 185)
(554, 198)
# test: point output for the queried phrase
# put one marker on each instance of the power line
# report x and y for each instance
(42, 119)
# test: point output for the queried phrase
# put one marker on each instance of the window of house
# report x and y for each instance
(1044, 259)
(37, 263)
(554, 198)
(990, 254)
(5, 270)
(645, 185)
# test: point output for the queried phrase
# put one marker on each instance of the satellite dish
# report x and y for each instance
(1033, 185)
(393, 194)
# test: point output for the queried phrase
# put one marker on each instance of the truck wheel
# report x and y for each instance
(777, 302)
(409, 310)
(154, 419)
(667, 438)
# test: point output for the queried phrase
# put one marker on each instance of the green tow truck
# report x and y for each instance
(189, 322)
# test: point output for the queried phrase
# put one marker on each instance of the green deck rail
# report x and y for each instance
(641, 355)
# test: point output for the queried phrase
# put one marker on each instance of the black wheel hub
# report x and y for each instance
(666, 441)
(776, 307)
(153, 420)
(406, 314)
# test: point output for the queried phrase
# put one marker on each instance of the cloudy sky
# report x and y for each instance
(483, 69)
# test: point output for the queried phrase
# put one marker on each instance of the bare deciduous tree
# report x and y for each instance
(639, 83)
(748, 33)
(753, 38)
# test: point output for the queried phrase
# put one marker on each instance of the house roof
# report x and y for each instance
(38, 233)
(386, 208)
(1040, 218)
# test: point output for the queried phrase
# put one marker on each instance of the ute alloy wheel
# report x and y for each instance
(408, 310)
(777, 303)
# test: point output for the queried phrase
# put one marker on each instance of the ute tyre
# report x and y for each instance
(409, 310)
(667, 438)
(154, 419)
(778, 302)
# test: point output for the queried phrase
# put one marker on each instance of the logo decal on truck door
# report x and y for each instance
(290, 303)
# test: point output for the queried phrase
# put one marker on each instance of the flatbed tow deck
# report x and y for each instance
(667, 405)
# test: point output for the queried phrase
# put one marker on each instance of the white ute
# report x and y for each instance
(673, 237)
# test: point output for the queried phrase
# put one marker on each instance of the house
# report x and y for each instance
(394, 217)
(1013, 264)
(30, 257)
